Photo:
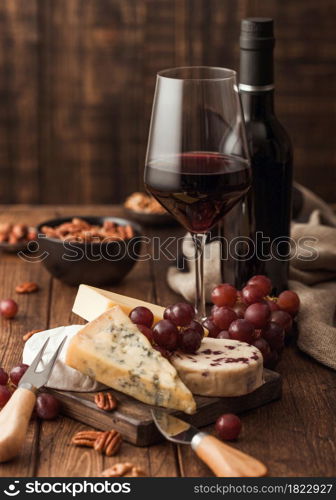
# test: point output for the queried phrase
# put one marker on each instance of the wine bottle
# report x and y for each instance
(271, 153)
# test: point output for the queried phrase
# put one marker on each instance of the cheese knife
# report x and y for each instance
(223, 460)
(15, 415)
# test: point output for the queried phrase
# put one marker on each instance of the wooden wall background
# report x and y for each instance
(77, 80)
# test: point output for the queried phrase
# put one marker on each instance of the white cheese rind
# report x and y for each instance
(91, 302)
(221, 367)
(114, 352)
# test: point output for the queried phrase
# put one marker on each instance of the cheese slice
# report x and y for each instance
(91, 302)
(221, 367)
(113, 351)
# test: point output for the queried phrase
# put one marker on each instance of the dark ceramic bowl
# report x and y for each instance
(95, 264)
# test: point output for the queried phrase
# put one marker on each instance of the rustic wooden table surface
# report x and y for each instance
(294, 436)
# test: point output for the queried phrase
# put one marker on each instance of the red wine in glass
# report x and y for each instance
(197, 161)
(198, 188)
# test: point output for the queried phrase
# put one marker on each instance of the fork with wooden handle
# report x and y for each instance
(15, 415)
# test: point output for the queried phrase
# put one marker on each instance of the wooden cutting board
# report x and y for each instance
(134, 421)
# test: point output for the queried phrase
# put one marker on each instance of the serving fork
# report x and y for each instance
(15, 415)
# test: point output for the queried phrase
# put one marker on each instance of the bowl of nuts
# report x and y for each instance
(15, 237)
(93, 250)
(146, 210)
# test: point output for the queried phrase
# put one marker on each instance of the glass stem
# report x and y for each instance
(199, 242)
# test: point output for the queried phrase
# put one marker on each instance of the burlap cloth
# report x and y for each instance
(312, 276)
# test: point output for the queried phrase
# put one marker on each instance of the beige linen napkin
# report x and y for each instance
(317, 335)
(314, 281)
(312, 272)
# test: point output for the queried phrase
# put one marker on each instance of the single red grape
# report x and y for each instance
(211, 327)
(142, 316)
(224, 295)
(263, 347)
(47, 406)
(189, 340)
(8, 308)
(228, 427)
(181, 313)
(240, 309)
(223, 317)
(282, 319)
(289, 301)
(17, 373)
(274, 335)
(165, 334)
(4, 395)
(3, 377)
(224, 334)
(242, 330)
(147, 332)
(252, 294)
(262, 282)
(166, 312)
(258, 314)
(195, 325)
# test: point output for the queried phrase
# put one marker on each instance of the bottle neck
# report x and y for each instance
(256, 77)
(257, 105)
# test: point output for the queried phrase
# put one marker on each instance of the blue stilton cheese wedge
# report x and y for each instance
(114, 352)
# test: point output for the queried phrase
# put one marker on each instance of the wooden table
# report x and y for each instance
(294, 436)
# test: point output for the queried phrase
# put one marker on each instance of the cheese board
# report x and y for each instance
(196, 383)
(133, 419)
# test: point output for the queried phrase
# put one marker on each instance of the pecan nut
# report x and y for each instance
(106, 401)
(123, 470)
(32, 234)
(85, 438)
(6, 228)
(108, 442)
(13, 239)
(27, 287)
(19, 231)
(30, 334)
(136, 472)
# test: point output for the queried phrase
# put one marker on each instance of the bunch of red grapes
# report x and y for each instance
(47, 406)
(252, 316)
(178, 329)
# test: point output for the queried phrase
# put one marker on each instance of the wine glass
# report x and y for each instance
(197, 162)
